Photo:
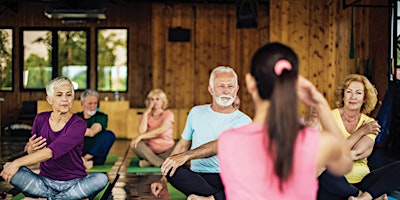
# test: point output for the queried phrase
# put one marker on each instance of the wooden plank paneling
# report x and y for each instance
(173, 61)
(319, 31)
(132, 122)
(185, 67)
(136, 17)
(179, 58)
(117, 112)
(323, 27)
(378, 50)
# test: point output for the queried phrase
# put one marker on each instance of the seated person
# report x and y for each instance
(199, 141)
(355, 97)
(155, 141)
(56, 143)
(98, 140)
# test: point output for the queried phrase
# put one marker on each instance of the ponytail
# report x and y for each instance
(283, 125)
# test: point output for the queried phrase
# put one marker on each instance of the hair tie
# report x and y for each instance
(282, 65)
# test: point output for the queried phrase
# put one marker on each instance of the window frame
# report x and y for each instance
(54, 56)
(97, 60)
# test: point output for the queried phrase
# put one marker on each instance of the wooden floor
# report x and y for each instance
(128, 186)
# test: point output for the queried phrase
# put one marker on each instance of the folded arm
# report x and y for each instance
(11, 168)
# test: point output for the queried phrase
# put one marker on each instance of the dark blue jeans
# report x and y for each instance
(202, 184)
(381, 181)
(31, 184)
(99, 146)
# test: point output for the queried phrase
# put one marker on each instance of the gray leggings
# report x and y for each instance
(31, 184)
(156, 159)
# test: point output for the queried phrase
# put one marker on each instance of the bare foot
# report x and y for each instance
(88, 164)
(144, 163)
(196, 197)
(382, 197)
(30, 198)
(362, 196)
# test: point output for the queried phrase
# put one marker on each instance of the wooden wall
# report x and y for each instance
(379, 37)
(183, 69)
(319, 31)
(136, 17)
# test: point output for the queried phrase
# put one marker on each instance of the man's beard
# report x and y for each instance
(221, 100)
(90, 112)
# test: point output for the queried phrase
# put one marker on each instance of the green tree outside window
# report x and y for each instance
(112, 70)
(6, 45)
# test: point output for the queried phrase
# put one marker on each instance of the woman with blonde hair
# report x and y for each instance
(356, 97)
(155, 141)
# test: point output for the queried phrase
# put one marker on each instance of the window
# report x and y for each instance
(112, 56)
(71, 46)
(37, 59)
(55, 52)
(6, 50)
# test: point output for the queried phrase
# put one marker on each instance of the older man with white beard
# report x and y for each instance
(98, 140)
(199, 140)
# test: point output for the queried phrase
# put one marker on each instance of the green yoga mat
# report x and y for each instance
(18, 196)
(175, 194)
(101, 193)
(107, 165)
(134, 167)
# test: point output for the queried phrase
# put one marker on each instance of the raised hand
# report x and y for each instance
(150, 107)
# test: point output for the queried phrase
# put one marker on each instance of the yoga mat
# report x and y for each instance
(134, 167)
(175, 194)
(106, 167)
(101, 193)
(18, 196)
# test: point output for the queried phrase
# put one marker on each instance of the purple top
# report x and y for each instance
(66, 145)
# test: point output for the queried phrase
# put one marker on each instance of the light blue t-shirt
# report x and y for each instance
(204, 125)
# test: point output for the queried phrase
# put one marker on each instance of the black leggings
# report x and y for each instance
(202, 184)
(381, 181)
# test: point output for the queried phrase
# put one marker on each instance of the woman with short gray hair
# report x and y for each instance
(56, 143)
